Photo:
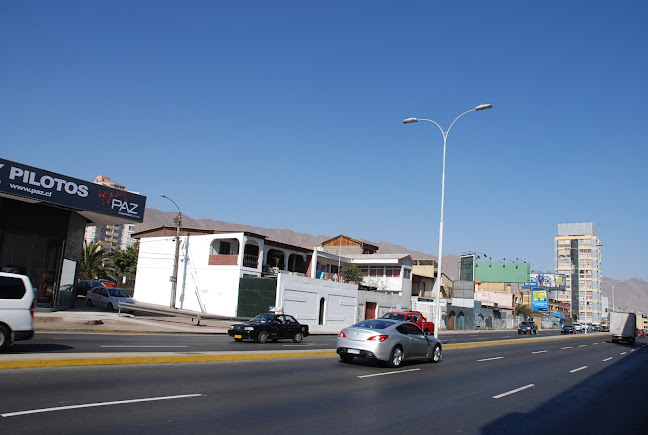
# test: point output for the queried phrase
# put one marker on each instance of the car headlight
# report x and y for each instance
(231, 327)
(249, 328)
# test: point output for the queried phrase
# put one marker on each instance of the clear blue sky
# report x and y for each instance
(288, 114)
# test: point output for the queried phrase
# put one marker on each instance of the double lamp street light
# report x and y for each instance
(437, 284)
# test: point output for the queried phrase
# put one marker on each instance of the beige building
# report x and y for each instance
(578, 257)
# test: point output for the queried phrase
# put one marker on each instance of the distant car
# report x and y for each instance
(269, 326)
(17, 303)
(605, 328)
(567, 329)
(108, 283)
(641, 332)
(578, 327)
(84, 286)
(387, 340)
(108, 297)
(527, 328)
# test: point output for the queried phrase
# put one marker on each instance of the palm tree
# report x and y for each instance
(95, 263)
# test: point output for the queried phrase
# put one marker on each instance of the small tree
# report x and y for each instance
(351, 273)
(126, 260)
(523, 310)
(95, 263)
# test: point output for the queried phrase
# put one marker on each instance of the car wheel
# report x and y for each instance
(436, 354)
(346, 358)
(110, 307)
(89, 302)
(5, 337)
(519, 332)
(263, 337)
(297, 338)
(396, 357)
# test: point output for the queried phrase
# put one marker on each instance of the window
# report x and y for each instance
(224, 248)
(11, 288)
(407, 273)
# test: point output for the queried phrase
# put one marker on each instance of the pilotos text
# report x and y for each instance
(47, 182)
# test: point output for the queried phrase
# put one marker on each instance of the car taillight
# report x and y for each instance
(379, 338)
(342, 334)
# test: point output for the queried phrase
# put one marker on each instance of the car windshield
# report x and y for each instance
(374, 324)
(394, 316)
(263, 318)
(118, 293)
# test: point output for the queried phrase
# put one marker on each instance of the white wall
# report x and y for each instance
(300, 297)
(216, 285)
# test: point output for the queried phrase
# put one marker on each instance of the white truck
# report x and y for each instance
(623, 327)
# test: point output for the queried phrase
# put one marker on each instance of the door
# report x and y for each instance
(370, 310)
(419, 344)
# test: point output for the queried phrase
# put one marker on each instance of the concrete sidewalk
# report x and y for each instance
(89, 319)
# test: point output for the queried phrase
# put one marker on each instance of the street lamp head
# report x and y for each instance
(162, 195)
(484, 107)
(410, 120)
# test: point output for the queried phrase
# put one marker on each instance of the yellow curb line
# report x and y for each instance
(67, 362)
(243, 356)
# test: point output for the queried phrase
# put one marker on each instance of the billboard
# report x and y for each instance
(467, 268)
(41, 185)
(546, 280)
(539, 300)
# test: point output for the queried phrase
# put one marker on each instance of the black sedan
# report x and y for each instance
(567, 329)
(269, 326)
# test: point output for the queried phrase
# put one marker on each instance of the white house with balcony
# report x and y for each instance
(240, 274)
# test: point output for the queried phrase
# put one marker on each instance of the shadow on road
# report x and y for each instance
(610, 402)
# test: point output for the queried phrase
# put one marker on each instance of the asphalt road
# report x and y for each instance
(74, 342)
(584, 384)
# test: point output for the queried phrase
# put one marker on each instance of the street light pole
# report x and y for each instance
(437, 320)
(612, 285)
(174, 277)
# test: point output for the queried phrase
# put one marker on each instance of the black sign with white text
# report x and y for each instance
(38, 184)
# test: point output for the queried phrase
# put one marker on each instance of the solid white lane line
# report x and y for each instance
(389, 373)
(137, 346)
(298, 345)
(92, 405)
(568, 347)
(607, 359)
(539, 351)
(507, 336)
(517, 390)
(578, 369)
(490, 359)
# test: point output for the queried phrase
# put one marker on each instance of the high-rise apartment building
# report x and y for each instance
(110, 237)
(578, 256)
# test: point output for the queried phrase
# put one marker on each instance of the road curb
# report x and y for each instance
(155, 359)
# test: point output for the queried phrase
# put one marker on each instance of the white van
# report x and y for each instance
(17, 305)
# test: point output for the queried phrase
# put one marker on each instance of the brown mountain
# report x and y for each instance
(155, 218)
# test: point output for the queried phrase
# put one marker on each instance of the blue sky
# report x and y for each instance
(288, 114)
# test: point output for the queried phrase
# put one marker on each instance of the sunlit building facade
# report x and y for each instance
(578, 257)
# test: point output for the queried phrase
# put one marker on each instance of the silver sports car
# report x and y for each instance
(392, 341)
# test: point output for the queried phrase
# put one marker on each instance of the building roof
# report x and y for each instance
(360, 242)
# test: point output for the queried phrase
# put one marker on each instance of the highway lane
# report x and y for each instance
(75, 342)
(527, 387)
